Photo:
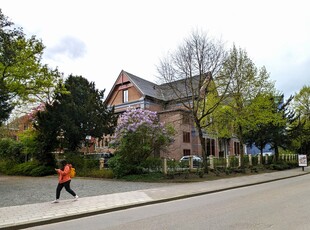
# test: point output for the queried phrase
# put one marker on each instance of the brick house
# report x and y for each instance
(132, 91)
(18, 126)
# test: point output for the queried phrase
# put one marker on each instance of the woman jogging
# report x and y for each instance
(64, 180)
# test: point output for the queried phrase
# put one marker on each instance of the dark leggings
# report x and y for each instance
(67, 187)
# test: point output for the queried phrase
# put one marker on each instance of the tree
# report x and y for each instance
(301, 105)
(247, 82)
(282, 131)
(78, 114)
(189, 73)
(5, 106)
(29, 143)
(139, 135)
(261, 115)
(23, 77)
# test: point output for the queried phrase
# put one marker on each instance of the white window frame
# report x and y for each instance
(125, 95)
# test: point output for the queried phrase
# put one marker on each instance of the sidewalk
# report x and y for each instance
(18, 217)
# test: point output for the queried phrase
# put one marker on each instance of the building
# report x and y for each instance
(18, 126)
(132, 91)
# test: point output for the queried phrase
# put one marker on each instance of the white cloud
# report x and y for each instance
(70, 47)
(98, 39)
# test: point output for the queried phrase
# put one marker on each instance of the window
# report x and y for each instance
(236, 148)
(186, 137)
(210, 147)
(185, 119)
(186, 152)
(125, 95)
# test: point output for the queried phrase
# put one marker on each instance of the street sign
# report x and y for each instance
(302, 160)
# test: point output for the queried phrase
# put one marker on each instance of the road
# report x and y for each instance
(283, 204)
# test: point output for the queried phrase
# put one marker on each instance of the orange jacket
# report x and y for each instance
(64, 176)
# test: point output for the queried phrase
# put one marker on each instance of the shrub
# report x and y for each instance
(11, 150)
(31, 168)
(96, 173)
(152, 164)
(42, 171)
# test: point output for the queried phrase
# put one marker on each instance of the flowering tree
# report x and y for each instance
(139, 135)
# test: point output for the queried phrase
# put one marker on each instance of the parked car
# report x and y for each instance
(197, 161)
(268, 153)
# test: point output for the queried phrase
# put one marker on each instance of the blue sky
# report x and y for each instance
(97, 39)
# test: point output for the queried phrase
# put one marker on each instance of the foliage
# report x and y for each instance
(261, 115)
(86, 166)
(139, 136)
(246, 83)
(301, 106)
(30, 168)
(96, 173)
(281, 132)
(11, 150)
(28, 140)
(71, 117)
(23, 77)
(5, 106)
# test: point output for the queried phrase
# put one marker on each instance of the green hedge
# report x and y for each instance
(31, 168)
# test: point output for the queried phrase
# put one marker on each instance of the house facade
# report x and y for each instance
(132, 91)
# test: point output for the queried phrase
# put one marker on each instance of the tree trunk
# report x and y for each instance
(204, 153)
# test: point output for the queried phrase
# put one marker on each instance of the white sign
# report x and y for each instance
(302, 160)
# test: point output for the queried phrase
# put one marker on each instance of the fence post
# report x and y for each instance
(101, 163)
(239, 160)
(165, 166)
(227, 162)
(266, 159)
(191, 163)
(250, 159)
(259, 159)
(211, 162)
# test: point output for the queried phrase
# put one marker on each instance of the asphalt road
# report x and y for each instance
(17, 190)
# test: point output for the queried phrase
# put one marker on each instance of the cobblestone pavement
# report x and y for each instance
(17, 190)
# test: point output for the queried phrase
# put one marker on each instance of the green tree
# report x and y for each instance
(247, 82)
(139, 135)
(261, 115)
(301, 105)
(79, 113)
(5, 106)
(29, 143)
(23, 77)
(281, 132)
(11, 150)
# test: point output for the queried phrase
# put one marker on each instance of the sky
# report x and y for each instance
(99, 39)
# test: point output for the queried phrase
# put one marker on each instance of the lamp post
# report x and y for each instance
(60, 139)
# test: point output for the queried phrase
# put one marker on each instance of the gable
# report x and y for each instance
(123, 83)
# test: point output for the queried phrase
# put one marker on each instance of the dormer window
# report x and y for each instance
(125, 95)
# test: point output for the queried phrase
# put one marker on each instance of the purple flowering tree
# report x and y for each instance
(140, 135)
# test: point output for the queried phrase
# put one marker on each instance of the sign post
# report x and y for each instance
(302, 161)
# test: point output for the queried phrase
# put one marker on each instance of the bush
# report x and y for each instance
(42, 171)
(104, 173)
(152, 164)
(82, 164)
(31, 168)
(11, 150)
